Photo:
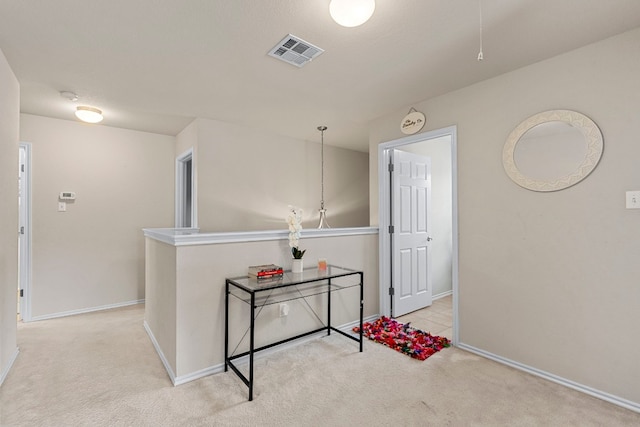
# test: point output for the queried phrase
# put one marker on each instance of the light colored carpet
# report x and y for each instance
(100, 369)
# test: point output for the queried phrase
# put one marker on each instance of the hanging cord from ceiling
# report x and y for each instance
(480, 54)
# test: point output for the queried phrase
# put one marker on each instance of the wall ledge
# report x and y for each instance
(192, 236)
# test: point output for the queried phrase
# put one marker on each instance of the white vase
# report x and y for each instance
(297, 266)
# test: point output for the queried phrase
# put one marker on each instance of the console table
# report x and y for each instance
(292, 286)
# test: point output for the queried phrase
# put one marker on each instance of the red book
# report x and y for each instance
(270, 273)
(266, 270)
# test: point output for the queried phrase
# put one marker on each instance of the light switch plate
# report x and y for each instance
(633, 199)
(62, 206)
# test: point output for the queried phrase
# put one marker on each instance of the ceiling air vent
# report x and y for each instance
(295, 51)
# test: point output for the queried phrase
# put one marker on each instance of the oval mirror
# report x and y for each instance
(552, 150)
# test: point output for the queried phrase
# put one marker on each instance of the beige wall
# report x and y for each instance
(246, 179)
(9, 119)
(187, 138)
(439, 150)
(160, 296)
(92, 255)
(549, 280)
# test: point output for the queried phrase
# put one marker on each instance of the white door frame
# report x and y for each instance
(181, 161)
(25, 243)
(384, 206)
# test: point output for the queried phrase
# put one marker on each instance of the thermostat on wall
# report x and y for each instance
(67, 195)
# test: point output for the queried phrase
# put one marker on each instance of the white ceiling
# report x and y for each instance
(155, 65)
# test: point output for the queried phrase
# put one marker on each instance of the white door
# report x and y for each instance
(410, 239)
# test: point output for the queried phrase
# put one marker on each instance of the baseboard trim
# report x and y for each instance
(442, 295)
(347, 327)
(163, 359)
(619, 401)
(183, 379)
(85, 310)
(8, 368)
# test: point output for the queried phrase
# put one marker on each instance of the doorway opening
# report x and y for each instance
(445, 237)
(24, 232)
(186, 212)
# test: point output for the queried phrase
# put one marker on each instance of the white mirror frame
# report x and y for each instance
(594, 141)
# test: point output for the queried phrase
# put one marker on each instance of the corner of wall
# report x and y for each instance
(9, 135)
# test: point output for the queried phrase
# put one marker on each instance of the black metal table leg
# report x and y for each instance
(251, 344)
(226, 326)
(329, 307)
(361, 307)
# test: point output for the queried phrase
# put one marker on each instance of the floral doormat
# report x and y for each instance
(403, 338)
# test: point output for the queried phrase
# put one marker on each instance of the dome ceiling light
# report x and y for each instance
(89, 114)
(351, 13)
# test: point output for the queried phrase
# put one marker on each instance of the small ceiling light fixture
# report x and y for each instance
(89, 114)
(351, 13)
(323, 212)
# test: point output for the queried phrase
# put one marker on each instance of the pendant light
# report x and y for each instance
(323, 212)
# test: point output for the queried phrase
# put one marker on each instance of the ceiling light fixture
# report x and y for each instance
(351, 13)
(89, 114)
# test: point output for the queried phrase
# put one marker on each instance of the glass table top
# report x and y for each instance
(252, 284)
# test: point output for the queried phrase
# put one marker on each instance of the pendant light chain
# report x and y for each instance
(322, 129)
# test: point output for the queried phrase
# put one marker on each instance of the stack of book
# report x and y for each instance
(266, 271)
